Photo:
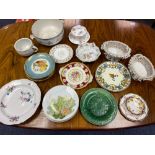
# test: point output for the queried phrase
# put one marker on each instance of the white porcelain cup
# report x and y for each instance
(25, 47)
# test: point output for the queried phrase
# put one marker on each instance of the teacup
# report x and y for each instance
(78, 32)
(25, 47)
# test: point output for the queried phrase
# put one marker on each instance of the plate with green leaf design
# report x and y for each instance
(113, 76)
(98, 106)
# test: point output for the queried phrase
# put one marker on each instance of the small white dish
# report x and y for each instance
(133, 107)
(141, 68)
(88, 52)
(61, 53)
(54, 93)
(116, 50)
(79, 41)
(19, 100)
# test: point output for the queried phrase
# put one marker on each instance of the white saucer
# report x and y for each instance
(75, 41)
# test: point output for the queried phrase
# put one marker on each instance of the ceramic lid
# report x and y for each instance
(19, 99)
(75, 75)
(88, 52)
(98, 106)
(133, 107)
(113, 76)
(39, 66)
(61, 53)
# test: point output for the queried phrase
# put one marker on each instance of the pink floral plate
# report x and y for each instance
(19, 100)
(76, 75)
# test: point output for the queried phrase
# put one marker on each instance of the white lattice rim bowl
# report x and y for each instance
(88, 52)
(116, 49)
(141, 68)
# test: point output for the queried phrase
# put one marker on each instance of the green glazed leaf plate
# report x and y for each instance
(98, 106)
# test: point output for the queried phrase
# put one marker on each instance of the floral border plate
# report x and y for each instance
(19, 100)
(133, 107)
(39, 66)
(113, 76)
(88, 52)
(56, 91)
(62, 53)
(98, 106)
(76, 75)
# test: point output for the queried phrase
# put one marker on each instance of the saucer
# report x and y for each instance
(79, 41)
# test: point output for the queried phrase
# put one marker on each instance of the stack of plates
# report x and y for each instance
(39, 67)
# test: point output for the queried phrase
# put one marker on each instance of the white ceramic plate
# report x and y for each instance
(88, 52)
(61, 53)
(19, 100)
(133, 107)
(62, 91)
(79, 41)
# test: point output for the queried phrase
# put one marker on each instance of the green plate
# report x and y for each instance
(98, 106)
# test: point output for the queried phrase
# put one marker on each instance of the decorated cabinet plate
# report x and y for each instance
(75, 75)
(39, 66)
(133, 107)
(19, 99)
(61, 53)
(98, 106)
(113, 76)
(88, 52)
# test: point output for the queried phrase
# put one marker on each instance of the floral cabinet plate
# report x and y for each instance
(39, 66)
(19, 99)
(113, 76)
(133, 107)
(76, 75)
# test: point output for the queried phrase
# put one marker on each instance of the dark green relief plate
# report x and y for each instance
(98, 106)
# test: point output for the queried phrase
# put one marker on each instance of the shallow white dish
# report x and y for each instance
(88, 52)
(53, 93)
(19, 100)
(61, 53)
(116, 50)
(141, 68)
(79, 41)
(133, 107)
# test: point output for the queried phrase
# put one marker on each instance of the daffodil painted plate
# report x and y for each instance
(113, 76)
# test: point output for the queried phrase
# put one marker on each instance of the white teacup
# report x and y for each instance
(25, 47)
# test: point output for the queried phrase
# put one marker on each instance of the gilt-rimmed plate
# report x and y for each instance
(51, 109)
(98, 106)
(39, 66)
(61, 53)
(133, 107)
(76, 75)
(88, 52)
(113, 76)
(19, 100)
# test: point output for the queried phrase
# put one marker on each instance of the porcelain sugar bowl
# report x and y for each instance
(141, 68)
(79, 35)
(116, 50)
(48, 31)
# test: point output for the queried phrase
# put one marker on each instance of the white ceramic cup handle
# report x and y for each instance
(32, 36)
(35, 49)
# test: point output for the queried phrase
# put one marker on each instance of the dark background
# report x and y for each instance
(12, 130)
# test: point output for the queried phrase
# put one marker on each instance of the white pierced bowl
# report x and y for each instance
(141, 68)
(116, 50)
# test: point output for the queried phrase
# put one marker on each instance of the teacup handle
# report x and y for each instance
(32, 36)
(35, 49)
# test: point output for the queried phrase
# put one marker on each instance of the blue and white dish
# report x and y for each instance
(39, 66)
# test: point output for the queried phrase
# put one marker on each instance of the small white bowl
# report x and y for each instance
(116, 50)
(88, 52)
(53, 93)
(141, 68)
